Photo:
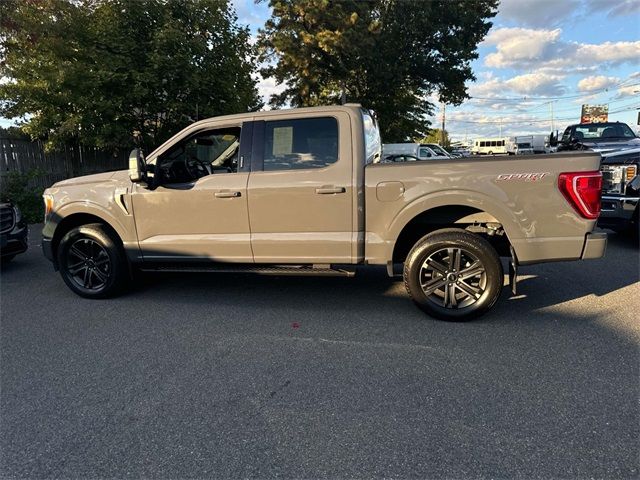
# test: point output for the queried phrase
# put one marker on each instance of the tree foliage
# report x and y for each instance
(435, 136)
(96, 71)
(389, 55)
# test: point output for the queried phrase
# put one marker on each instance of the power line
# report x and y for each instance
(527, 111)
(535, 120)
(564, 97)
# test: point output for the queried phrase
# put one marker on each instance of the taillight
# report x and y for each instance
(582, 191)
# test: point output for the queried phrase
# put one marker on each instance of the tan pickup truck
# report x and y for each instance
(302, 192)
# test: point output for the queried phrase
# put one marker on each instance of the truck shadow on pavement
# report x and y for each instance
(371, 292)
(552, 284)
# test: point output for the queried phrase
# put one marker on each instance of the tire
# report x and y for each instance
(490, 153)
(442, 255)
(92, 263)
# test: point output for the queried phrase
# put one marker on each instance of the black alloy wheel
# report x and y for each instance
(92, 262)
(88, 264)
(454, 275)
(453, 278)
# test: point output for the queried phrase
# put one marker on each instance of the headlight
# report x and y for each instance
(48, 205)
(17, 213)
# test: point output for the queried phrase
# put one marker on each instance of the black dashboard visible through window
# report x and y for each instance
(204, 153)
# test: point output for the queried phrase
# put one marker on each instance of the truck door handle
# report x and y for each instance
(227, 194)
(330, 190)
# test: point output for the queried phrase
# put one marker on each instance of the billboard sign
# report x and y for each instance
(594, 113)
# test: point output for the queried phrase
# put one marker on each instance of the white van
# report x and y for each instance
(418, 150)
(528, 144)
(490, 146)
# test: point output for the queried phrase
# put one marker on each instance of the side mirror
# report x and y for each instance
(137, 165)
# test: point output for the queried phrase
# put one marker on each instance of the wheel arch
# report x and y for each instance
(458, 215)
(73, 220)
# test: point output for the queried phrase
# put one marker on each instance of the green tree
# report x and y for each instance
(435, 136)
(96, 71)
(389, 55)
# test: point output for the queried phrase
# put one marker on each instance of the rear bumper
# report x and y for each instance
(14, 241)
(595, 245)
(559, 249)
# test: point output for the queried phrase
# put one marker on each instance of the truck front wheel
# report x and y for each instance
(91, 262)
(453, 275)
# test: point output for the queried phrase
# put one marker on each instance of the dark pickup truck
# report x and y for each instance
(620, 150)
(600, 137)
(620, 190)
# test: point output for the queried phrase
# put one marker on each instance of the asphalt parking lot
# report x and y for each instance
(243, 376)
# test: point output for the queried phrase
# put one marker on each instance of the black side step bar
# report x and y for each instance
(316, 270)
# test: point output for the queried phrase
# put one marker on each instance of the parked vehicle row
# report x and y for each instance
(421, 151)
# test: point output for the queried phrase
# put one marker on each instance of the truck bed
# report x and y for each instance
(519, 193)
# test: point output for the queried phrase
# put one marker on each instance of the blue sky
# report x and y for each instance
(540, 54)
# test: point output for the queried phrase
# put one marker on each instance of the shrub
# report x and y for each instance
(15, 188)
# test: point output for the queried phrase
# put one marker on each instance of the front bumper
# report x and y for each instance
(617, 211)
(595, 244)
(14, 241)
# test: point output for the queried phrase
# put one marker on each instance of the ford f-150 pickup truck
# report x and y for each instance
(302, 191)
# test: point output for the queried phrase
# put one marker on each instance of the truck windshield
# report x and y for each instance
(438, 150)
(592, 132)
(372, 142)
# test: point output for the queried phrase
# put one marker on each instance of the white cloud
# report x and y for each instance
(544, 50)
(629, 91)
(536, 84)
(540, 84)
(520, 46)
(268, 87)
(597, 82)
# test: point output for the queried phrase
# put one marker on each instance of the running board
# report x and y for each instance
(293, 270)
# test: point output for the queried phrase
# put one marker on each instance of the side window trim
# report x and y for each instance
(257, 147)
(245, 152)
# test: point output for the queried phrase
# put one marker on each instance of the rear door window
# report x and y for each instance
(300, 144)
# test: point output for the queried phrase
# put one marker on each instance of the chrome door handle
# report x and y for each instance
(227, 194)
(330, 190)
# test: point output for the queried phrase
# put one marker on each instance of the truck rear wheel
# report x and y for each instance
(91, 262)
(453, 275)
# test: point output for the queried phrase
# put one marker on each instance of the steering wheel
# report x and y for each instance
(196, 167)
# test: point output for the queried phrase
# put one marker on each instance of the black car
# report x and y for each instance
(13, 232)
(620, 190)
(400, 157)
(600, 137)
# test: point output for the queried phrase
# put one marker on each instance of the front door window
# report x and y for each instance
(211, 152)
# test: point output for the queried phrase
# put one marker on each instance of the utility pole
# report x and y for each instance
(552, 121)
(443, 123)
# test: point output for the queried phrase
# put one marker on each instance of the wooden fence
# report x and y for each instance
(24, 156)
